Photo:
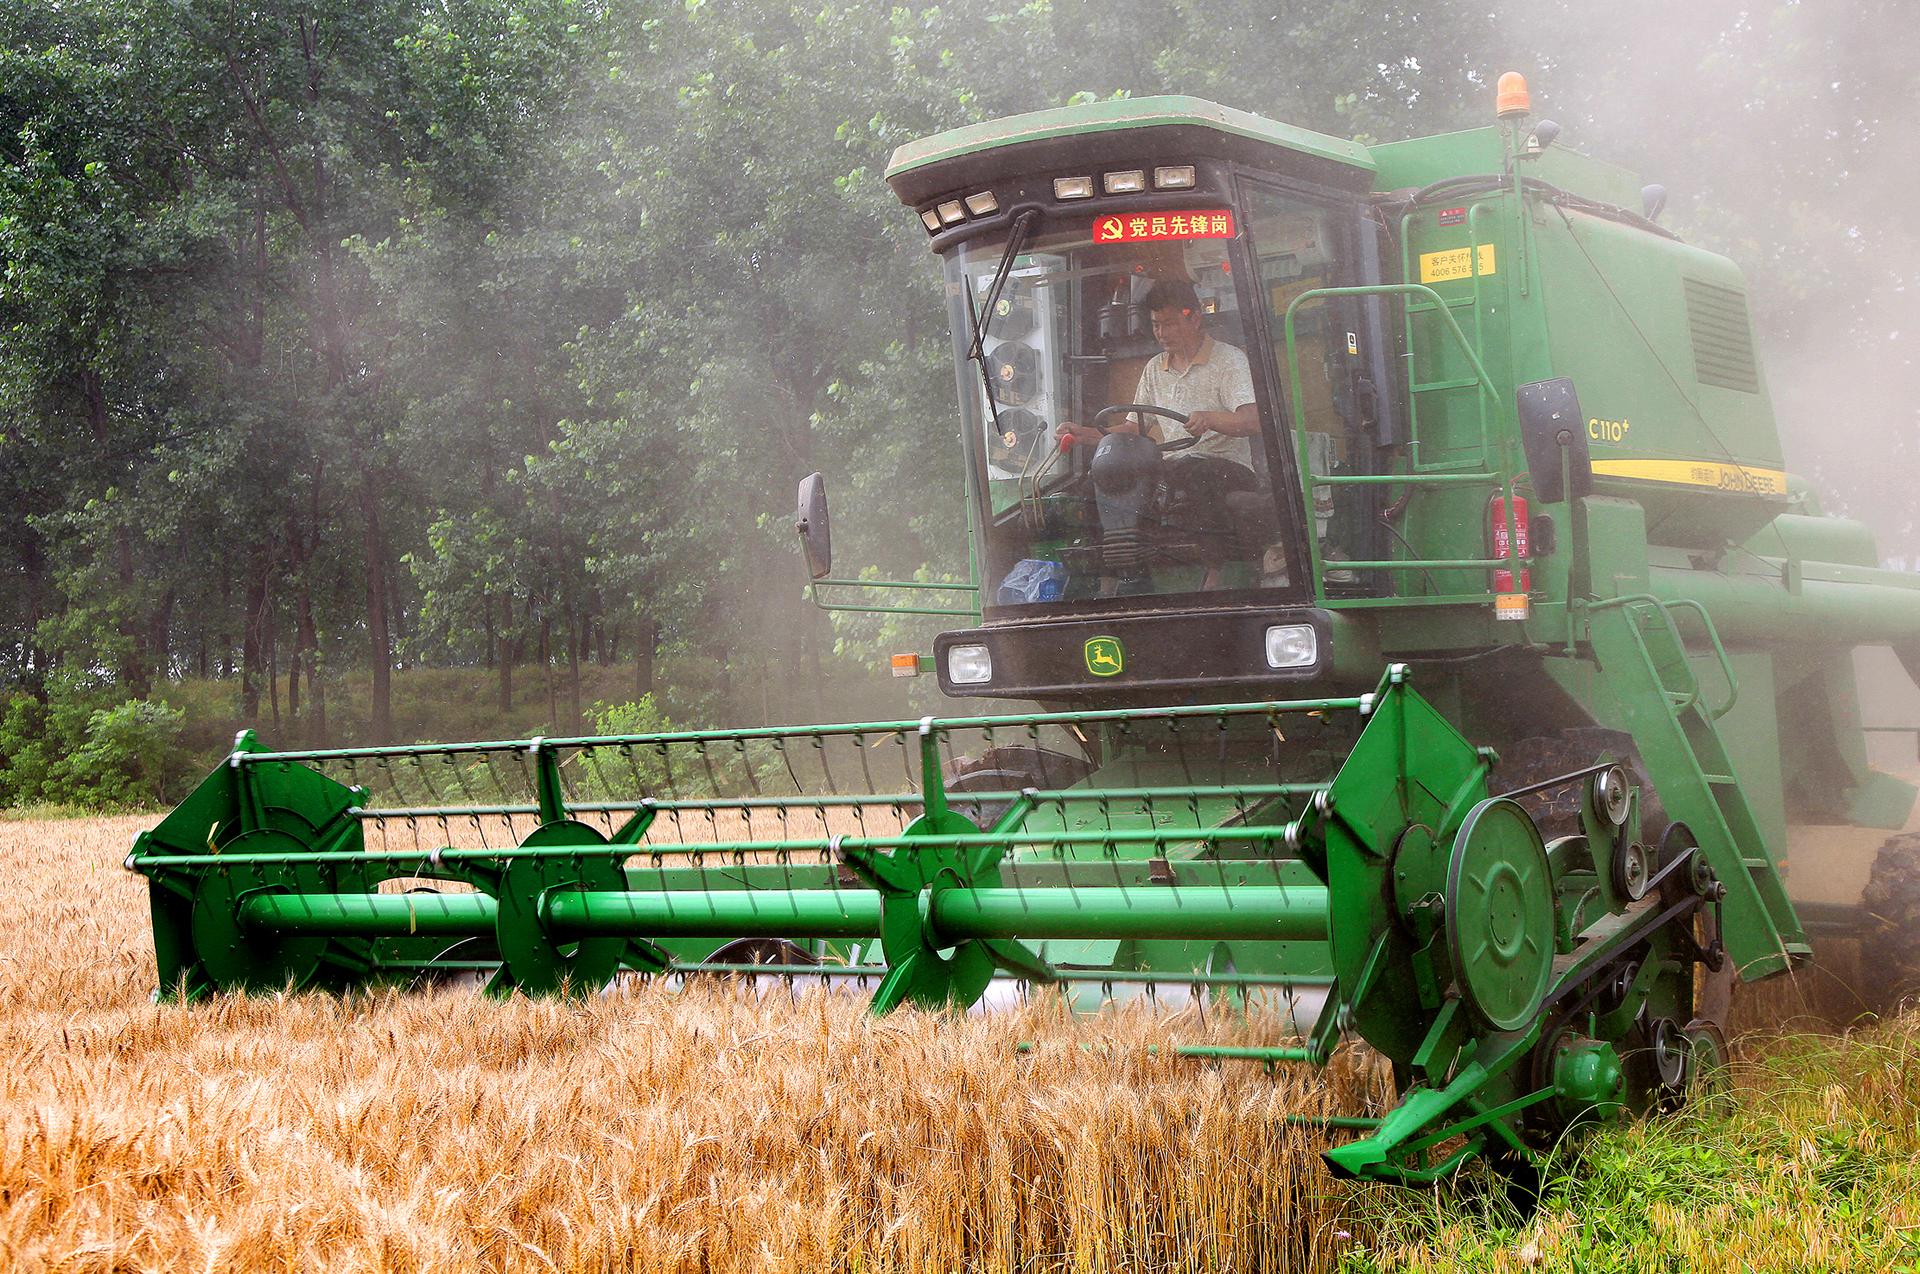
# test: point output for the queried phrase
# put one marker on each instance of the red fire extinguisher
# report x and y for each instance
(1503, 577)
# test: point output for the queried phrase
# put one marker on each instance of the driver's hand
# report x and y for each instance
(1085, 435)
(1199, 422)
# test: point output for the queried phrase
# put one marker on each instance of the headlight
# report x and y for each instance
(1292, 646)
(969, 665)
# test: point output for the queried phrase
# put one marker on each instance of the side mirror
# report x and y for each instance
(1554, 433)
(814, 527)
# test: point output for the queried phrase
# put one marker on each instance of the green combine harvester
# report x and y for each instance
(1383, 681)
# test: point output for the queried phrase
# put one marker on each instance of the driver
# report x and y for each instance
(1210, 383)
(1206, 380)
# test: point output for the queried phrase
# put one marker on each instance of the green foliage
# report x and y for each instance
(130, 757)
(78, 747)
(655, 769)
(642, 717)
(1812, 1161)
(349, 333)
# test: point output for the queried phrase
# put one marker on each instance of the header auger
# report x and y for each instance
(1250, 414)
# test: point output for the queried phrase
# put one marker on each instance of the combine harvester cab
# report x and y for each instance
(1250, 415)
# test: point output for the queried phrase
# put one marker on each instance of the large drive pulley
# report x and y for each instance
(1500, 914)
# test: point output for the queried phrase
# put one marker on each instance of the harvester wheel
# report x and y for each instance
(1009, 768)
(234, 957)
(1890, 939)
(532, 960)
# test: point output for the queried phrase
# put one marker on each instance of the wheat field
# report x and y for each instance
(642, 1130)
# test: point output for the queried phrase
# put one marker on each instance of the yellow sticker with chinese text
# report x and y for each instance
(1455, 263)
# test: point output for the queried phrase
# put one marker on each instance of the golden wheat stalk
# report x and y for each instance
(716, 1129)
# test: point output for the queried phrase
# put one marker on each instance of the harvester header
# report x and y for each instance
(1393, 897)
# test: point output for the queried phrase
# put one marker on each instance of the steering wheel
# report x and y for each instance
(1179, 418)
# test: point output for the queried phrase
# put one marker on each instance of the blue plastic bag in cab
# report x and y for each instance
(1033, 580)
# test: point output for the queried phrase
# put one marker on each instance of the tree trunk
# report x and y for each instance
(317, 691)
(509, 651)
(396, 605)
(223, 662)
(546, 668)
(646, 637)
(33, 563)
(160, 635)
(133, 661)
(293, 686)
(574, 643)
(253, 644)
(310, 643)
(486, 626)
(273, 673)
(380, 642)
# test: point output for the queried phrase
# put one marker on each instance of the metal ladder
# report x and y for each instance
(1640, 650)
(1474, 304)
(1416, 387)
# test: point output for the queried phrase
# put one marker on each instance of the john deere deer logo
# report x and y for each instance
(1104, 656)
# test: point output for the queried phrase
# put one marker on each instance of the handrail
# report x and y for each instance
(1484, 381)
(814, 585)
(1665, 609)
(1411, 479)
(1489, 401)
(1475, 301)
(938, 585)
(1719, 650)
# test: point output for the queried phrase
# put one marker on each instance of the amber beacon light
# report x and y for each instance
(1512, 100)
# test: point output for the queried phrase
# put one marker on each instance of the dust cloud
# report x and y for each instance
(1782, 131)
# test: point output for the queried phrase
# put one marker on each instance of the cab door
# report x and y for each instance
(1336, 412)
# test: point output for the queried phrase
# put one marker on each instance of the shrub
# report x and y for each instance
(74, 746)
(131, 756)
(644, 717)
(624, 773)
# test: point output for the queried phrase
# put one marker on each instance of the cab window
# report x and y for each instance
(1300, 246)
(1084, 496)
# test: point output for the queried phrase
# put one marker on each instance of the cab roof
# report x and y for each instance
(1172, 110)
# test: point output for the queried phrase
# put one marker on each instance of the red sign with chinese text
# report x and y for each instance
(1138, 227)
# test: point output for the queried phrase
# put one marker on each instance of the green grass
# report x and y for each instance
(1811, 1162)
